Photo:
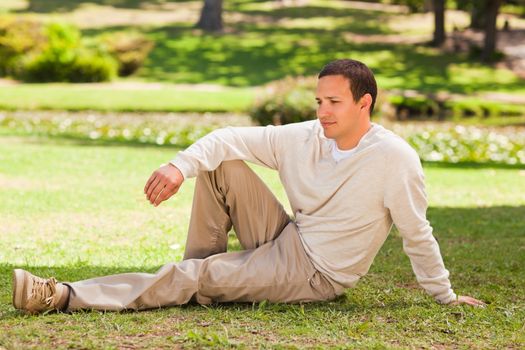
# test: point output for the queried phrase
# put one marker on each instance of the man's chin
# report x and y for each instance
(328, 134)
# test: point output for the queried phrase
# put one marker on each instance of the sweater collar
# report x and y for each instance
(365, 141)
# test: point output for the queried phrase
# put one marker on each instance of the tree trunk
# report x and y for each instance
(439, 22)
(478, 14)
(211, 16)
(491, 31)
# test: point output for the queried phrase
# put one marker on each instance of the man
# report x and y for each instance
(348, 180)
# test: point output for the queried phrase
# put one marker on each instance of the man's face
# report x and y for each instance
(337, 111)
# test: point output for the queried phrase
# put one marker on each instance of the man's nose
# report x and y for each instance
(323, 111)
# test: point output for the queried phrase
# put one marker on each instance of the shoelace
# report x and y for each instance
(44, 290)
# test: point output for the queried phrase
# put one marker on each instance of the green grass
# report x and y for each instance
(162, 98)
(76, 210)
(268, 44)
(247, 58)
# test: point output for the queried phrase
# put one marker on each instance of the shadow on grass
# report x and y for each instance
(483, 226)
(257, 55)
(54, 6)
(257, 52)
(482, 247)
(351, 20)
(473, 165)
(86, 141)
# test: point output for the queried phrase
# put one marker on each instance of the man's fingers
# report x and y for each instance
(464, 299)
(476, 302)
(165, 194)
(149, 182)
(156, 199)
(154, 181)
(156, 184)
(162, 186)
(156, 191)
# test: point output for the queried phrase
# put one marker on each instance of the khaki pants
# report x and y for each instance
(273, 265)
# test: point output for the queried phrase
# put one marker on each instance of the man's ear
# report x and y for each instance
(366, 101)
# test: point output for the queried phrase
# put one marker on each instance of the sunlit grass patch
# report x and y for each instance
(162, 97)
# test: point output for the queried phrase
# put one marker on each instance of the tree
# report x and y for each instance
(211, 16)
(439, 22)
(478, 14)
(489, 47)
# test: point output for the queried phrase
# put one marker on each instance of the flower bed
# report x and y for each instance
(433, 141)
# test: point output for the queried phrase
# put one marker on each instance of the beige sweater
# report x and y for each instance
(344, 210)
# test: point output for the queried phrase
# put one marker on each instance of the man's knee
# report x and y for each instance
(227, 173)
(227, 168)
(232, 168)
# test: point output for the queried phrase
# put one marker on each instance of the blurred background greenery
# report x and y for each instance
(259, 58)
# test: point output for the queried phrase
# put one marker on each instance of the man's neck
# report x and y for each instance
(353, 140)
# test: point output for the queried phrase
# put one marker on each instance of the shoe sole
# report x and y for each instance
(19, 287)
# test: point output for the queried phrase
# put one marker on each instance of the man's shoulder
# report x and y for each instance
(306, 125)
(301, 130)
(394, 147)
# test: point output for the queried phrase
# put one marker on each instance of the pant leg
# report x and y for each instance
(173, 284)
(277, 271)
(230, 195)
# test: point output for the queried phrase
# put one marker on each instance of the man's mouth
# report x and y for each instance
(327, 124)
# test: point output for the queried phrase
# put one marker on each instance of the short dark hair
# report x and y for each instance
(361, 78)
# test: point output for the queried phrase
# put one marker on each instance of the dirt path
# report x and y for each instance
(511, 43)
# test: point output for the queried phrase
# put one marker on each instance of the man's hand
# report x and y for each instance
(465, 299)
(163, 183)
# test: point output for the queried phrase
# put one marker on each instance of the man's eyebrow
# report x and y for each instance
(329, 97)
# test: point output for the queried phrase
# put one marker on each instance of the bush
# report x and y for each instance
(130, 49)
(18, 37)
(405, 107)
(414, 107)
(84, 67)
(65, 58)
(285, 101)
(474, 107)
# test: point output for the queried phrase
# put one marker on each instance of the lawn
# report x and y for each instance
(262, 42)
(126, 97)
(76, 210)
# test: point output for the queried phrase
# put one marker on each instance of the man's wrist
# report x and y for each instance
(181, 174)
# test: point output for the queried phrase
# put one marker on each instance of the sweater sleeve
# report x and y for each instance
(254, 144)
(406, 200)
